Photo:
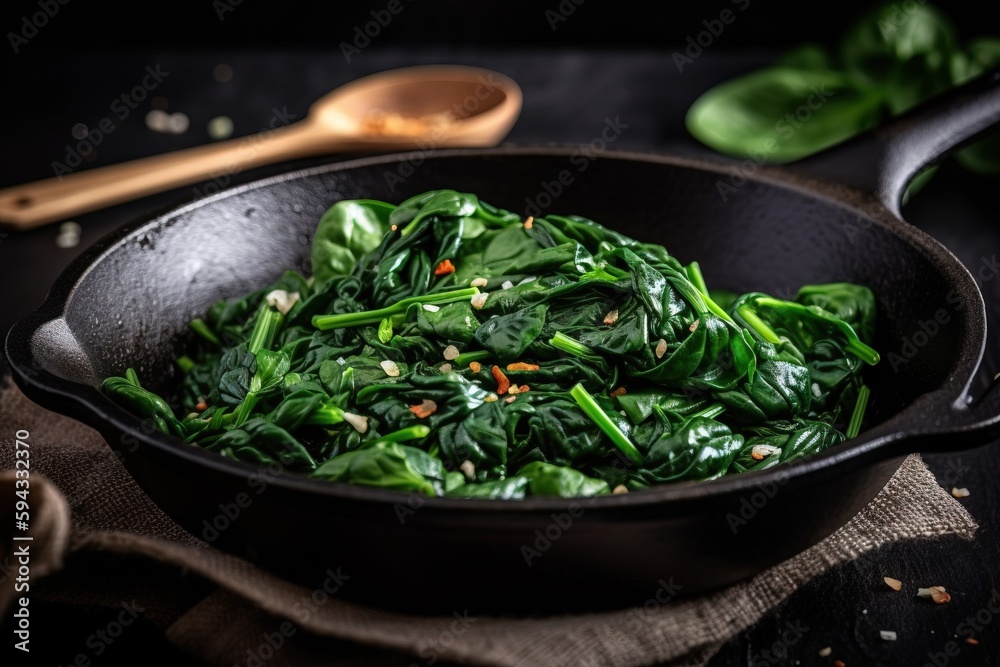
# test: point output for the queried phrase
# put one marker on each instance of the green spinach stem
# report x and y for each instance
(341, 321)
(405, 434)
(854, 344)
(264, 329)
(563, 342)
(711, 412)
(185, 363)
(693, 271)
(467, 358)
(759, 325)
(860, 406)
(326, 415)
(201, 328)
(597, 414)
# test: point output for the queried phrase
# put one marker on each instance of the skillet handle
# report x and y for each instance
(882, 161)
(942, 423)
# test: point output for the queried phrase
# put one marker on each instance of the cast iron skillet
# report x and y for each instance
(127, 302)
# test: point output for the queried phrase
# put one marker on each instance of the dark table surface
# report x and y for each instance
(568, 95)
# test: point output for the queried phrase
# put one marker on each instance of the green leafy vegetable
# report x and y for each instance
(350, 229)
(905, 54)
(889, 59)
(452, 349)
(782, 114)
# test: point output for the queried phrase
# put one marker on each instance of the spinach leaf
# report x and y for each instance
(348, 230)
(907, 54)
(508, 336)
(455, 349)
(889, 59)
(511, 488)
(388, 465)
(545, 479)
(260, 441)
(982, 54)
(779, 442)
(127, 392)
(456, 322)
(780, 114)
(701, 449)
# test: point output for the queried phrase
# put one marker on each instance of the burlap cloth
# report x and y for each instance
(100, 540)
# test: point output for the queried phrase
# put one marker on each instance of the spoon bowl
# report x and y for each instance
(449, 105)
(422, 107)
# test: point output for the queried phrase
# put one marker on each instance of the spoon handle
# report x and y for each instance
(34, 204)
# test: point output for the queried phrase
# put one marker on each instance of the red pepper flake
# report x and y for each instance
(503, 384)
(475, 366)
(521, 366)
(972, 640)
(425, 409)
(839, 663)
(510, 399)
(940, 595)
(529, 222)
(202, 405)
(620, 391)
(936, 593)
(523, 388)
(444, 268)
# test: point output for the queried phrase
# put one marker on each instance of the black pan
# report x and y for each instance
(128, 301)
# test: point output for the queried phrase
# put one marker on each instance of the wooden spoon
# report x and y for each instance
(423, 107)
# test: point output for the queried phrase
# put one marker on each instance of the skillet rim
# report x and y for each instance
(910, 423)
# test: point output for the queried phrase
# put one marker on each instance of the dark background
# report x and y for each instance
(112, 26)
(607, 58)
